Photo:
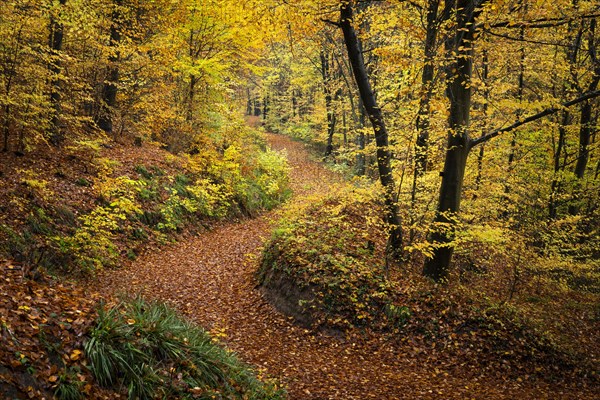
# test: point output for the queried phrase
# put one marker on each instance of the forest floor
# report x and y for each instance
(211, 279)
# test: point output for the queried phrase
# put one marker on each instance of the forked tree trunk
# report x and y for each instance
(458, 91)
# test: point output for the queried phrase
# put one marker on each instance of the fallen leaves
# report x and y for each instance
(211, 278)
(43, 325)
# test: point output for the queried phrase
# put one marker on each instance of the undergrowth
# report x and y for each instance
(335, 248)
(121, 207)
(325, 264)
(150, 352)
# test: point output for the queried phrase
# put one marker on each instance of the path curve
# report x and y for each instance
(210, 278)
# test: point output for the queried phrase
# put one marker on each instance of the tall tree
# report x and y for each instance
(110, 85)
(379, 129)
(55, 43)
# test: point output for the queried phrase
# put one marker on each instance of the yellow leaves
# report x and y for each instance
(75, 355)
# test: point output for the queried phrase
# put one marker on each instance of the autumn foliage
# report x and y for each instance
(457, 223)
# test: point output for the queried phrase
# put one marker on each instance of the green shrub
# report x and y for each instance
(153, 353)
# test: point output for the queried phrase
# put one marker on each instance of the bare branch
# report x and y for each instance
(541, 114)
(540, 22)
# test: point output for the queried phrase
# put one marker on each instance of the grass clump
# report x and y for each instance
(148, 351)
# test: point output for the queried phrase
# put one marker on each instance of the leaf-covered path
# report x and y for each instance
(210, 278)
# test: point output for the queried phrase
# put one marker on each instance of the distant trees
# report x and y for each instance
(71, 69)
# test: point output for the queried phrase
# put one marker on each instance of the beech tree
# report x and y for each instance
(459, 49)
(379, 129)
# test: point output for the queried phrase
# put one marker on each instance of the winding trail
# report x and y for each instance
(210, 278)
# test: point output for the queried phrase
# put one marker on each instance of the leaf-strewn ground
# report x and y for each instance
(211, 279)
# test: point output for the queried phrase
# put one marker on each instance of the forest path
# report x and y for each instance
(211, 279)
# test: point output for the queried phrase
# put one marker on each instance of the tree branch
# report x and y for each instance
(540, 22)
(328, 21)
(541, 114)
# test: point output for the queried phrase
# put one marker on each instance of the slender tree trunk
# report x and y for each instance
(381, 135)
(191, 98)
(55, 42)
(11, 73)
(6, 128)
(555, 185)
(326, 74)
(109, 89)
(458, 90)
(583, 155)
(294, 103)
(361, 159)
(423, 116)
(521, 85)
(486, 97)
(586, 120)
(265, 107)
(248, 102)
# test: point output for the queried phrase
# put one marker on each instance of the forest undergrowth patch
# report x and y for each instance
(59, 341)
(95, 205)
(503, 308)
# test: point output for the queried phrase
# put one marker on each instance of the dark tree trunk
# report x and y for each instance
(560, 145)
(109, 89)
(423, 116)
(55, 42)
(459, 50)
(256, 107)
(326, 75)
(486, 96)
(521, 86)
(294, 103)
(583, 149)
(586, 120)
(381, 135)
(191, 97)
(248, 102)
(11, 72)
(265, 111)
(6, 128)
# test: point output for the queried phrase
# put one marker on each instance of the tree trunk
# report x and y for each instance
(191, 96)
(555, 185)
(265, 107)
(55, 42)
(248, 102)
(109, 89)
(381, 135)
(423, 115)
(458, 90)
(294, 103)
(486, 97)
(586, 121)
(521, 82)
(325, 73)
